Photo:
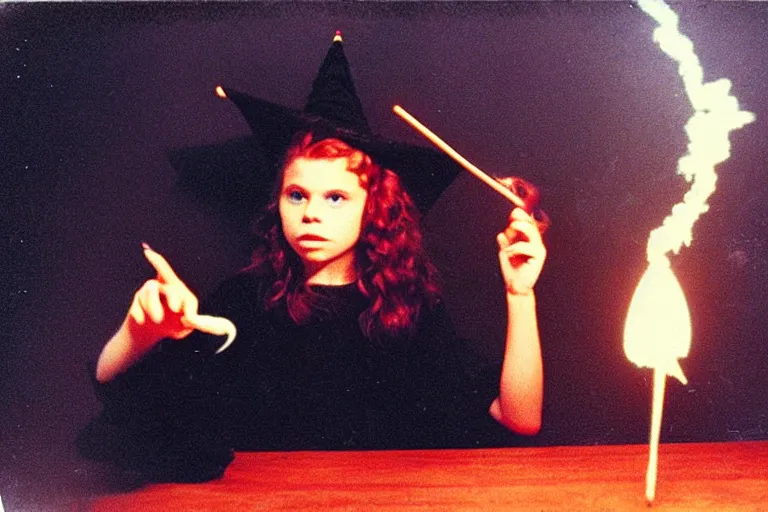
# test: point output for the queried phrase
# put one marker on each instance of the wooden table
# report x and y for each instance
(695, 476)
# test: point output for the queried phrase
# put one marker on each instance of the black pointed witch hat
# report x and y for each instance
(332, 110)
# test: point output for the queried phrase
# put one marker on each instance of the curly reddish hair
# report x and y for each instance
(393, 269)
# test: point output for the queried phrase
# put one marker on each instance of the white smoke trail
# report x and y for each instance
(716, 113)
(658, 328)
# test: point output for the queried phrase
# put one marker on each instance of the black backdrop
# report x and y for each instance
(572, 96)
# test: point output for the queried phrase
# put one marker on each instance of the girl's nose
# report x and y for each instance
(311, 212)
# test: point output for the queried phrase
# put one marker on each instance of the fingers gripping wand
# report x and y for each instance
(215, 325)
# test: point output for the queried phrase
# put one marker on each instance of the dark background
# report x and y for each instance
(572, 96)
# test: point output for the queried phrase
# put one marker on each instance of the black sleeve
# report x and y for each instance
(455, 387)
(160, 418)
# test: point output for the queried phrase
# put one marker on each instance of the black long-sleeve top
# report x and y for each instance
(181, 412)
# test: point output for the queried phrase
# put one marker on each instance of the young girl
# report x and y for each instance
(342, 342)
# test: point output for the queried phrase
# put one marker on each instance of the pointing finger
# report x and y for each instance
(165, 273)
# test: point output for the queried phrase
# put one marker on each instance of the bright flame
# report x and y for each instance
(716, 113)
(658, 328)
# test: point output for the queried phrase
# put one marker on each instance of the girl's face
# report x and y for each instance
(321, 209)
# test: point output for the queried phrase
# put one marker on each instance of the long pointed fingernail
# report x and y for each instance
(145, 246)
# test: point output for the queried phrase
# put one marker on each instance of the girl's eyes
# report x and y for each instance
(295, 197)
(335, 199)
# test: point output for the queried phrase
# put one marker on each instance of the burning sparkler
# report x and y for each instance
(658, 330)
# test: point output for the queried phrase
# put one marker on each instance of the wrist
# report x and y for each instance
(520, 302)
(513, 295)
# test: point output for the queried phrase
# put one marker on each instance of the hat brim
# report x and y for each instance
(230, 175)
(424, 171)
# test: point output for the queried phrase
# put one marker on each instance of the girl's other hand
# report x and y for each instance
(521, 253)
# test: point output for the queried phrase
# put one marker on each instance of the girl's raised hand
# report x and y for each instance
(521, 253)
(164, 307)
(161, 304)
